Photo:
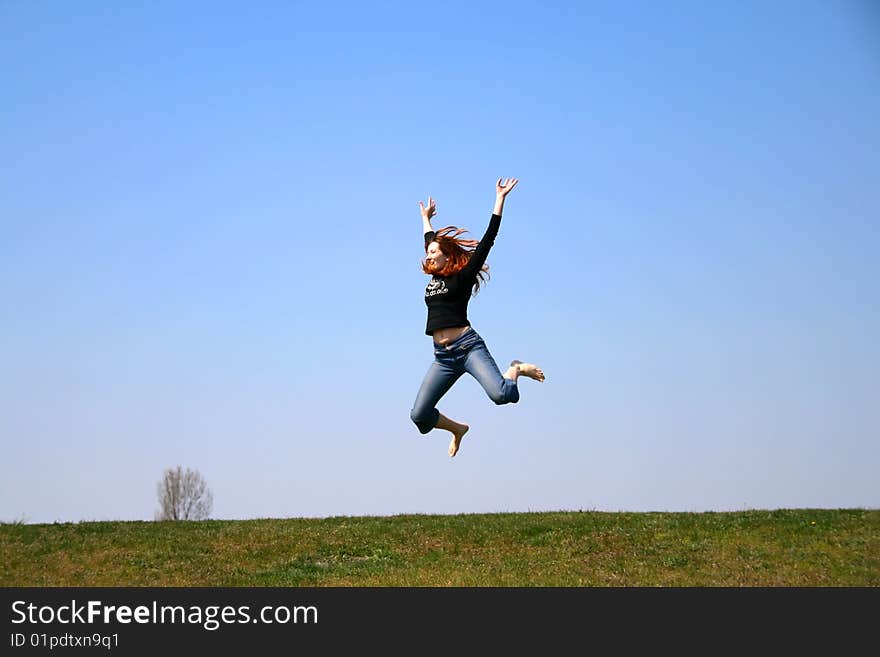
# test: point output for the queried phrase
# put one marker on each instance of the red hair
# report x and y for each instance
(458, 252)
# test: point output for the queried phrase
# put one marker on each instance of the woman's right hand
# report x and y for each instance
(430, 211)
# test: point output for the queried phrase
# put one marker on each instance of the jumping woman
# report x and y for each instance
(457, 269)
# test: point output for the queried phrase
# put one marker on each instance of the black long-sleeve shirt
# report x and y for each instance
(447, 296)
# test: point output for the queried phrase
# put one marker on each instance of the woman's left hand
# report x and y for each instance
(503, 189)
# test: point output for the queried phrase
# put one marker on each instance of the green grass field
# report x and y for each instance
(799, 547)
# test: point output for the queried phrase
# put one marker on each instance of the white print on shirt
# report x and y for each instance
(436, 286)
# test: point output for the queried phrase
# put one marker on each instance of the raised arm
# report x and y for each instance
(478, 259)
(427, 213)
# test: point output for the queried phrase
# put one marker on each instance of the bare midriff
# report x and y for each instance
(447, 335)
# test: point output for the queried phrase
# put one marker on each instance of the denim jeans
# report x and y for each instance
(468, 353)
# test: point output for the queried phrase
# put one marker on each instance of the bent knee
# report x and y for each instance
(424, 421)
(504, 396)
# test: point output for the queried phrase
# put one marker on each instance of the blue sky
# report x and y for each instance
(211, 242)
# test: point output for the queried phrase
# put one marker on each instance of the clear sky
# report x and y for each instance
(211, 241)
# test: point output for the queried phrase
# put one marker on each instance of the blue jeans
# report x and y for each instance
(468, 353)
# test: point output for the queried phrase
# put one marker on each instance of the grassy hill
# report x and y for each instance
(786, 547)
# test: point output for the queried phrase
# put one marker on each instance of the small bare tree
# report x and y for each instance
(183, 496)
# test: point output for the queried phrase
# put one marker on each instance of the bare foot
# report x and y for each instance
(528, 369)
(455, 443)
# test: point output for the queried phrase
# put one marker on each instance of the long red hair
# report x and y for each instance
(458, 252)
